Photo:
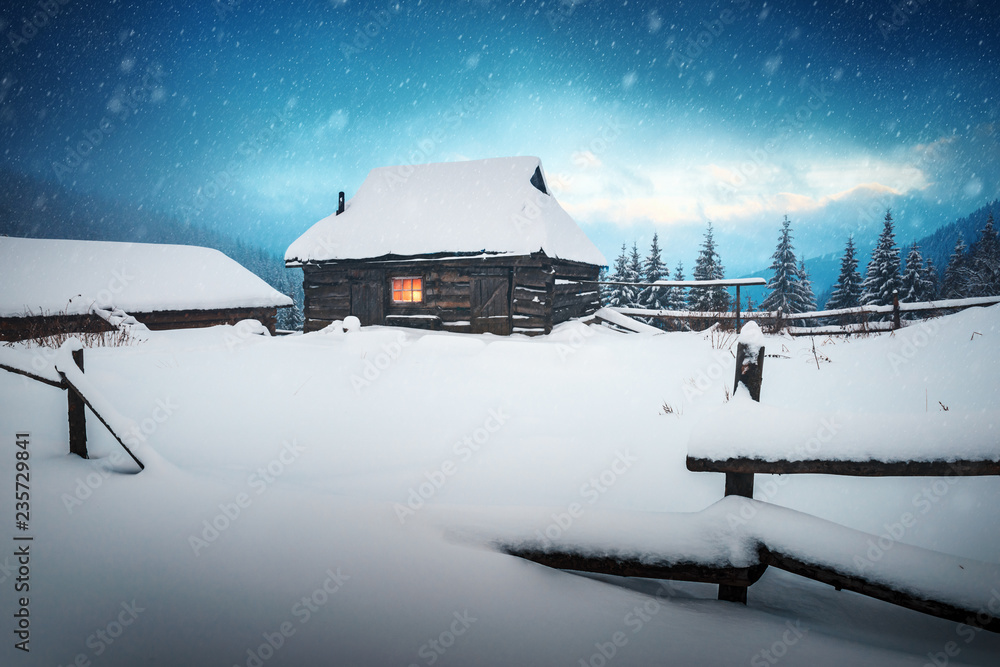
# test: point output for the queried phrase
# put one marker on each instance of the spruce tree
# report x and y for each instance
(674, 299)
(806, 295)
(914, 286)
(956, 276)
(653, 269)
(617, 297)
(931, 280)
(633, 274)
(708, 266)
(847, 291)
(984, 261)
(882, 277)
(786, 292)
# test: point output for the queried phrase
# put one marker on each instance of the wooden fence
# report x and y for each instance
(863, 319)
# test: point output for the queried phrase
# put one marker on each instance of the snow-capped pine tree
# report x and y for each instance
(914, 286)
(617, 297)
(653, 269)
(882, 277)
(984, 260)
(956, 276)
(786, 291)
(674, 297)
(931, 279)
(633, 274)
(805, 289)
(708, 266)
(847, 291)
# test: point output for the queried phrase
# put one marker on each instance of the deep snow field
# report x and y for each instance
(373, 472)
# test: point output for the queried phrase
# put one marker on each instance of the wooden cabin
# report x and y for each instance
(479, 246)
(53, 286)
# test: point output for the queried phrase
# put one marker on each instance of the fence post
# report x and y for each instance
(750, 372)
(737, 309)
(77, 416)
(895, 309)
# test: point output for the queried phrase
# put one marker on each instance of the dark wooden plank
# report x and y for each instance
(850, 582)
(528, 307)
(853, 468)
(623, 567)
(739, 484)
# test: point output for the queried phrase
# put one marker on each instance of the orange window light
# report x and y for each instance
(407, 290)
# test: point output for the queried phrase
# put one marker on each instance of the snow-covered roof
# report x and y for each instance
(58, 276)
(499, 205)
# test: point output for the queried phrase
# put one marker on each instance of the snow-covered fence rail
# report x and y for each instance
(850, 320)
(742, 442)
(67, 373)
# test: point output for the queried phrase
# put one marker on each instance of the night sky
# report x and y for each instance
(249, 116)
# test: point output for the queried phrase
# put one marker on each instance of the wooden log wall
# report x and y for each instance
(531, 302)
(22, 328)
(447, 291)
(574, 299)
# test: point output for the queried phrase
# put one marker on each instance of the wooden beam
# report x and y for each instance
(962, 468)
(29, 374)
(739, 577)
(840, 580)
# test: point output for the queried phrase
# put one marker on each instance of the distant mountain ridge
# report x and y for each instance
(34, 208)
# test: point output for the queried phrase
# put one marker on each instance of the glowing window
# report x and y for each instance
(407, 290)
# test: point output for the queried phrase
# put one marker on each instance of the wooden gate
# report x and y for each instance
(491, 304)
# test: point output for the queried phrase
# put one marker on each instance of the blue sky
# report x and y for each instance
(250, 116)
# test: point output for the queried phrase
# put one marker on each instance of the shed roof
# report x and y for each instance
(499, 205)
(59, 276)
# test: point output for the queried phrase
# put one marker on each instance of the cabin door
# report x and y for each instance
(491, 304)
(367, 302)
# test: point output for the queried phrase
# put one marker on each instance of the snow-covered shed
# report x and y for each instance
(52, 286)
(476, 246)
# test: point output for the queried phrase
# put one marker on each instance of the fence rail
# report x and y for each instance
(848, 320)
